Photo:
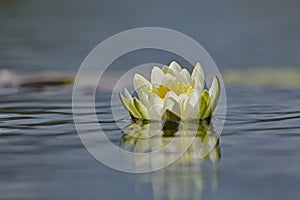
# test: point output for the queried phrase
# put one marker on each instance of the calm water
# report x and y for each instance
(257, 156)
(42, 155)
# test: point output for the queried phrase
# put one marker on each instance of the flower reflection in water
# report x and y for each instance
(193, 175)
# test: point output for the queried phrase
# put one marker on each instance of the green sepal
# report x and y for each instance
(165, 69)
(129, 106)
(170, 116)
(205, 99)
(141, 109)
(215, 94)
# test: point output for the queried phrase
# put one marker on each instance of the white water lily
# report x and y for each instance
(172, 94)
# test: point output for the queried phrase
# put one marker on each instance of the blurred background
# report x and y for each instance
(255, 44)
(57, 35)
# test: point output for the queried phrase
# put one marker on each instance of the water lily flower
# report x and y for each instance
(172, 94)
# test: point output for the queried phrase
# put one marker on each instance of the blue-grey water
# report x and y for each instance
(41, 155)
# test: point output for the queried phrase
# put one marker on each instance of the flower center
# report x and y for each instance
(178, 88)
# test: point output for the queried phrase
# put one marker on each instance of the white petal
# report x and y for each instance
(155, 113)
(140, 83)
(142, 87)
(157, 76)
(198, 85)
(183, 99)
(179, 77)
(168, 79)
(185, 73)
(214, 92)
(198, 76)
(186, 111)
(194, 97)
(143, 97)
(128, 95)
(154, 99)
(192, 110)
(192, 105)
(172, 95)
(175, 66)
(194, 113)
(198, 72)
(155, 108)
(171, 103)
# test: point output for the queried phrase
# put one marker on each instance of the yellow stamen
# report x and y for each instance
(178, 88)
(161, 91)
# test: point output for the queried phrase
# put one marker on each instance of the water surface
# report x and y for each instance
(42, 156)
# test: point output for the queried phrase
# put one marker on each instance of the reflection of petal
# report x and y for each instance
(180, 181)
(141, 131)
(188, 177)
(151, 137)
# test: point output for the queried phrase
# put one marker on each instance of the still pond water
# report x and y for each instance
(42, 155)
